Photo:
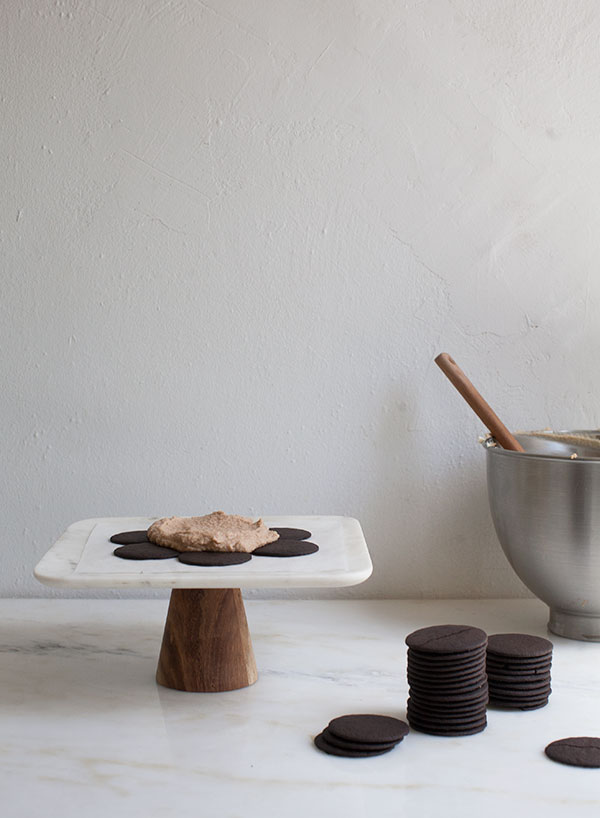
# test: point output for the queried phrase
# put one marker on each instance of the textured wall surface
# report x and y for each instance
(235, 233)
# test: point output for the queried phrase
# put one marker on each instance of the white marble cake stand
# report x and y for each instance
(206, 644)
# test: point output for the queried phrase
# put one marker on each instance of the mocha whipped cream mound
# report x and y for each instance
(213, 532)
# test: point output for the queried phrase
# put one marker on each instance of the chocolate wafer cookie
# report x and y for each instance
(577, 751)
(361, 735)
(128, 537)
(518, 666)
(144, 551)
(448, 691)
(331, 749)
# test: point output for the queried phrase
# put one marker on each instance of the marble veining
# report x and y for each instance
(86, 730)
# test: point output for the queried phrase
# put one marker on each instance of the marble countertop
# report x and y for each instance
(86, 730)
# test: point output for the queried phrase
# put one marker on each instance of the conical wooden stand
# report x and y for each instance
(206, 644)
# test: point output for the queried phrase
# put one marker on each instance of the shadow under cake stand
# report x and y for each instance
(206, 645)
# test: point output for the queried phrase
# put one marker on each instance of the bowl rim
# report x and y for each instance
(490, 444)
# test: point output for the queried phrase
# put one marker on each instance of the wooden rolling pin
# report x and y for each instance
(481, 408)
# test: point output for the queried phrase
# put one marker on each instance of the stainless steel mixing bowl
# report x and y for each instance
(546, 511)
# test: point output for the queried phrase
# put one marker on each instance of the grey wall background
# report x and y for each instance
(234, 235)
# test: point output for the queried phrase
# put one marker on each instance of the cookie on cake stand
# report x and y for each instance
(206, 645)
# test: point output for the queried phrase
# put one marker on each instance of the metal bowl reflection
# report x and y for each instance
(546, 512)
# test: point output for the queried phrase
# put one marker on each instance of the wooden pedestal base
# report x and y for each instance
(206, 644)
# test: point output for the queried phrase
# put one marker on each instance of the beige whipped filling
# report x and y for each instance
(213, 532)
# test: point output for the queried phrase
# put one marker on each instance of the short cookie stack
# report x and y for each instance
(518, 668)
(448, 685)
(361, 735)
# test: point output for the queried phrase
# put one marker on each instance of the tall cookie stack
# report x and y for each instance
(448, 691)
(518, 668)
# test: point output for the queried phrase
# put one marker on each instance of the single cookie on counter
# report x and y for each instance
(578, 751)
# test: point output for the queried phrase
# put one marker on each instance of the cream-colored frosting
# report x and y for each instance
(212, 532)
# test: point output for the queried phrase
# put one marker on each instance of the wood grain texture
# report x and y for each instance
(477, 402)
(206, 644)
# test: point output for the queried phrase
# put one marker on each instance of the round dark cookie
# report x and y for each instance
(516, 664)
(441, 712)
(445, 709)
(519, 645)
(426, 689)
(144, 551)
(436, 672)
(330, 738)
(518, 677)
(447, 664)
(447, 661)
(526, 699)
(517, 684)
(502, 675)
(446, 690)
(518, 706)
(368, 728)
(446, 678)
(427, 718)
(519, 693)
(518, 671)
(128, 537)
(512, 668)
(438, 687)
(286, 548)
(439, 697)
(512, 685)
(213, 558)
(292, 533)
(322, 744)
(438, 731)
(511, 701)
(454, 676)
(518, 661)
(441, 720)
(448, 727)
(446, 639)
(451, 700)
(578, 751)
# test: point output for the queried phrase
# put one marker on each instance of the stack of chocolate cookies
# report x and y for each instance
(361, 735)
(448, 690)
(518, 668)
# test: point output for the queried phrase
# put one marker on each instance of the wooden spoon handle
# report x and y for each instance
(481, 408)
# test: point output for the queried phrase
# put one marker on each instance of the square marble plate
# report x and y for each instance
(83, 558)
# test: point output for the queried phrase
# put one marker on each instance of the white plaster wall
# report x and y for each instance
(234, 235)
